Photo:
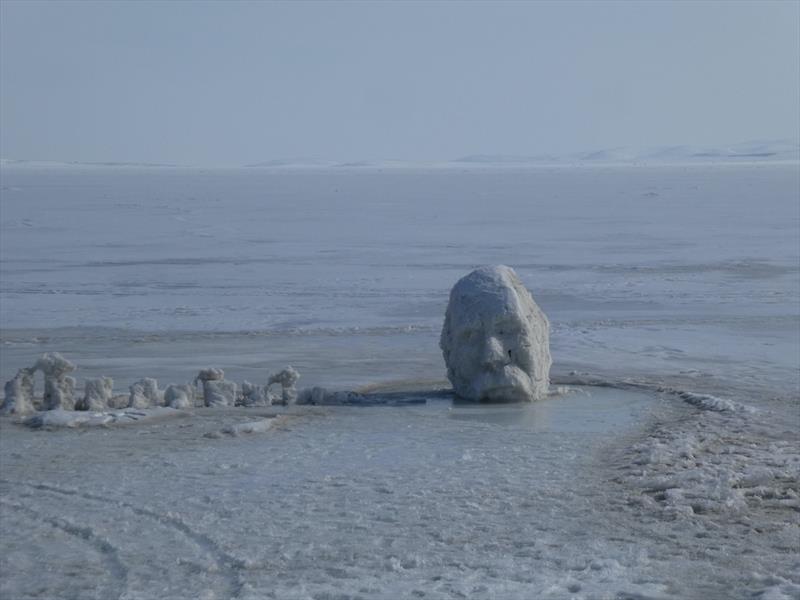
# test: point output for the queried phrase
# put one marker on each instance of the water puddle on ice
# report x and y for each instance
(582, 409)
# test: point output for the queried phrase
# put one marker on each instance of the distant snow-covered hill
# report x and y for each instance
(761, 150)
(784, 150)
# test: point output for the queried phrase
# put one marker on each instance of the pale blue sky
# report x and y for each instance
(231, 83)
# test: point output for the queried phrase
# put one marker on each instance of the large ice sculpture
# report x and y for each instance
(495, 339)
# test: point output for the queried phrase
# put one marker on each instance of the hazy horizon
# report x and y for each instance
(747, 151)
(229, 84)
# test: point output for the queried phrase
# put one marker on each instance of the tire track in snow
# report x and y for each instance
(116, 568)
(228, 565)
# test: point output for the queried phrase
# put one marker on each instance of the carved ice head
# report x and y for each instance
(495, 339)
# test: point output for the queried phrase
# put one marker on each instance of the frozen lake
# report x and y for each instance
(675, 289)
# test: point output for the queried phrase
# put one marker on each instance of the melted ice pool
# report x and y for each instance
(579, 410)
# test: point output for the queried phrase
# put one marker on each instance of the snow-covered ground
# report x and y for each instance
(674, 290)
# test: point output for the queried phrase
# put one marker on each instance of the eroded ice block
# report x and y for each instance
(287, 378)
(59, 388)
(19, 394)
(145, 393)
(97, 394)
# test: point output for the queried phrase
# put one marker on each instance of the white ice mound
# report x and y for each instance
(19, 394)
(97, 394)
(255, 395)
(495, 339)
(219, 392)
(216, 390)
(59, 388)
(179, 396)
(145, 393)
(287, 378)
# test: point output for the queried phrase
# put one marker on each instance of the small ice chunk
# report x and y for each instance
(52, 364)
(287, 378)
(210, 374)
(145, 393)
(259, 426)
(97, 394)
(495, 339)
(219, 392)
(179, 396)
(19, 394)
(255, 395)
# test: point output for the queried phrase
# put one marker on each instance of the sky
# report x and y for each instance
(231, 83)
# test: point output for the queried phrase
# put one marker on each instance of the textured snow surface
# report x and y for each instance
(446, 500)
(681, 283)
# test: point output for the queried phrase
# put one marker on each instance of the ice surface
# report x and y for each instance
(451, 499)
(682, 279)
(495, 339)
